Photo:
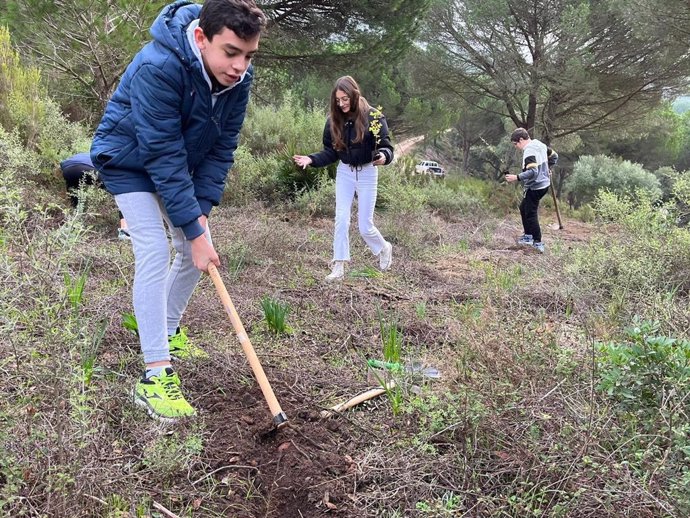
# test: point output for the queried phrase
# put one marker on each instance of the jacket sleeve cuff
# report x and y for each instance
(192, 230)
(388, 155)
(205, 206)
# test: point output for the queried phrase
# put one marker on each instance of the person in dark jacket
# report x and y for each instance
(78, 169)
(163, 148)
(537, 158)
(357, 135)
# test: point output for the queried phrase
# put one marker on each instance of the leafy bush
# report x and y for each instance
(252, 177)
(647, 377)
(451, 204)
(396, 192)
(15, 161)
(645, 253)
(26, 107)
(271, 129)
(319, 201)
(592, 174)
(646, 372)
(271, 135)
(681, 194)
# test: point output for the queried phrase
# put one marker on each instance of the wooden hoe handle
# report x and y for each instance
(364, 396)
(279, 417)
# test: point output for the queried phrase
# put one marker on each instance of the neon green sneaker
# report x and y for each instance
(182, 349)
(162, 398)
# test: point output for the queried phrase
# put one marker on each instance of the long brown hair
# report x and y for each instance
(359, 112)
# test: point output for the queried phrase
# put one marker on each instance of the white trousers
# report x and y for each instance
(364, 183)
(161, 290)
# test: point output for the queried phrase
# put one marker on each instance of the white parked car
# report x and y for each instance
(430, 167)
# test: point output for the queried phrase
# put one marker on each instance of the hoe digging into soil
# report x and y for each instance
(279, 417)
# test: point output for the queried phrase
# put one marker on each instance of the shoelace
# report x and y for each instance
(171, 389)
(179, 340)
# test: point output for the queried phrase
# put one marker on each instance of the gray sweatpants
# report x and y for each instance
(161, 290)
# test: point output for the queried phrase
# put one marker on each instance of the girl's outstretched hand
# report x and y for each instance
(302, 161)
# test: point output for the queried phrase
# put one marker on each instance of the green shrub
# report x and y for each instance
(271, 129)
(646, 372)
(646, 376)
(26, 107)
(643, 255)
(450, 204)
(251, 178)
(680, 192)
(15, 161)
(295, 180)
(318, 201)
(397, 193)
(592, 174)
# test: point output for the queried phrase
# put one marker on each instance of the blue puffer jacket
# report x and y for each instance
(162, 133)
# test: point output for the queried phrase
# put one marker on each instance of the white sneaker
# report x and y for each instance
(337, 273)
(386, 257)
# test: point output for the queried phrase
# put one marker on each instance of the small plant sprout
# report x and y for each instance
(129, 321)
(420, 309)
(392, 342)
(391, 338)
(75, 287)
(366, 272)
(275, 314)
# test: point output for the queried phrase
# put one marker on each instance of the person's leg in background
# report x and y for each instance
(344, 196)
(532, 199)
(526, 238)
(367, 185)
(73, 175)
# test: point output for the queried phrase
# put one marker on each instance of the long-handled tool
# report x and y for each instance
(555, 202)
(364, 396)
(279, 417)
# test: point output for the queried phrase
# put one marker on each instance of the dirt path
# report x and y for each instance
(405, 146)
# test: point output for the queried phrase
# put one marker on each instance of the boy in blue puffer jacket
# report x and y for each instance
(164, 148)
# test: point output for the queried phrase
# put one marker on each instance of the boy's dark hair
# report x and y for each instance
(242, 17)
(519, 134)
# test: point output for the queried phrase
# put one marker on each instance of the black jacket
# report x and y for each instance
(355, 154)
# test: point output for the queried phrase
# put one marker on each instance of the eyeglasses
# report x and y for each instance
(341, 100)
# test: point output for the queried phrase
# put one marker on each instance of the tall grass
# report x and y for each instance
(275, 314)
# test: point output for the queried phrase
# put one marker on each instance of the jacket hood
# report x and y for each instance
(169, 28)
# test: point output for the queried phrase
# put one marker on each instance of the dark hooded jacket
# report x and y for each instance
(161, 131)
(355, 153)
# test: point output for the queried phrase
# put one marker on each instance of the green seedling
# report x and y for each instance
(129, 321)
(275, 314)
(366, 272)
(75, 287)
(391, 339)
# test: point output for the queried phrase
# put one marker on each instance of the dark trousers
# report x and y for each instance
(529, 211)
(73, 175)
